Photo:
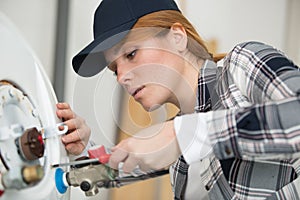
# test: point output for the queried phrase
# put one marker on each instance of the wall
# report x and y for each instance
(36, 21)
(229, 22)
(292, 39)
(234, 21)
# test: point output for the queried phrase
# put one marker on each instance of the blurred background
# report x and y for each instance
(57, 29)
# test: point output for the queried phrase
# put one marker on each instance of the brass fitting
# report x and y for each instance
(87, 177)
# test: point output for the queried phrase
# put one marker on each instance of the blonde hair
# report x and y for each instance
(166, 18)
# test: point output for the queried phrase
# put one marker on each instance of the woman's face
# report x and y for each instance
(149, 70)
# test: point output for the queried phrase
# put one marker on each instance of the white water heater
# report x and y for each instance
(29, 136)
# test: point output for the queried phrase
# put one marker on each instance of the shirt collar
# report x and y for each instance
(206, 83)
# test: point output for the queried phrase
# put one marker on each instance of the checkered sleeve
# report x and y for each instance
(267, 131)
(269, 127)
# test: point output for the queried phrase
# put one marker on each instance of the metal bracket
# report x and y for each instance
(53, 132)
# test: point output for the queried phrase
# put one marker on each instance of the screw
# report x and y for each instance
(85, 186)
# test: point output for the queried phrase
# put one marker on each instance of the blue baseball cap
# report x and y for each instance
(113, 19)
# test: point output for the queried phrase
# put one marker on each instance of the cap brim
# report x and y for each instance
(90, 61)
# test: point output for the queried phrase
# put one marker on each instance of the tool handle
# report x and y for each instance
(100, 153)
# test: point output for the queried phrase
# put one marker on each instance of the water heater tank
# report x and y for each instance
(29, 135)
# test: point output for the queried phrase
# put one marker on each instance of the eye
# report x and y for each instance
(131, 55)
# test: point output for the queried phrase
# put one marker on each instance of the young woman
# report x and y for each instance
(238, 133)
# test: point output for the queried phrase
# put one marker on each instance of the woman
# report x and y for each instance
(237, 116)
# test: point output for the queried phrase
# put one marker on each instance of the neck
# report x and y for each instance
(187, 88)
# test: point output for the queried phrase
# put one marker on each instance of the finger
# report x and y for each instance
(73, 124)
(65, 113)
(75, 148)
(118, 146)
(70, 138)
(130, 163)
(63, 105)
(149, 163)
(116, 157)
(62, 127)
(144, 167)
(77, 123)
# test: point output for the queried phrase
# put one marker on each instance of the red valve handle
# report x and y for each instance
(99, 153)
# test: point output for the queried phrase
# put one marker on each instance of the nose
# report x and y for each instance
(124, 77)
(124, 74)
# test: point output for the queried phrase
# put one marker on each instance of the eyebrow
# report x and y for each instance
(115, 51)
(118, 48)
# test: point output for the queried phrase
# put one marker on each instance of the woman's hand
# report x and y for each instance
(78, 134)
(153, 148)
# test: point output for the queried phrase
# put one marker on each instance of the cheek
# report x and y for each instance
(157, 74)
(158, 67)
(155, 95)
(155, 56)
(168, 64)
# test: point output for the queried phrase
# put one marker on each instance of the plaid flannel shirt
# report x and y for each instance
(253, 94)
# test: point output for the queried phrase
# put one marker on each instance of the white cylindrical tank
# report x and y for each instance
(27, 105)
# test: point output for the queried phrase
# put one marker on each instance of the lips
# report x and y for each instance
(133, 92)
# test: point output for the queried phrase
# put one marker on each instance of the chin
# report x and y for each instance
(150, 108)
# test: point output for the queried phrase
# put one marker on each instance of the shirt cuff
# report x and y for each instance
(192, 136)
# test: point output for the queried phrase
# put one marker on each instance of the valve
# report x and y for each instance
(30, 144)
(86, 178)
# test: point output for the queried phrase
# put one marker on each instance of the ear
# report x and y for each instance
(178, 36)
